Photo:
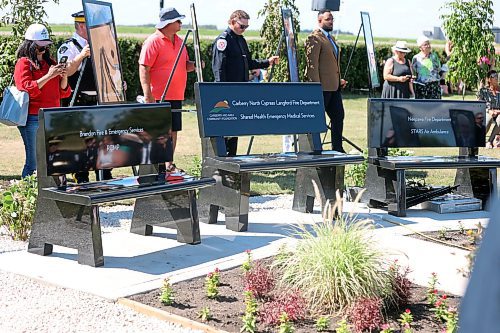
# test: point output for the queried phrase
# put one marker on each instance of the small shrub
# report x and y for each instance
(322, 324)
(259, 280)
(211, 284)
(285, 324)
(167, 293)
(451, 319)
(343, 327)
(250, 317)
(205, 314)
(431, 289)
(401, 285)
(334, 264)
(366, 314)
(292, 302)
(406, 319)
(18, 207)
(247, 264)
(441, 308)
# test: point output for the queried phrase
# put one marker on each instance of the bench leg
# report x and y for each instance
(399, 207)
(174, 209)
(479, 183)
(67, 225)
(208, 209)
(328, 180)
(231, 192)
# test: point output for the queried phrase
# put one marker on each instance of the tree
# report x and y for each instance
(19, 14)
(468, 25)
(272, 30)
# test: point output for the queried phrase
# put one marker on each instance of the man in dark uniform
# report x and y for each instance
(232, 61)
(76, 49)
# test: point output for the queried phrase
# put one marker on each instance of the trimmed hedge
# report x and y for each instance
(130, 49)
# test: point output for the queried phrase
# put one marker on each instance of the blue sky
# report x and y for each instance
(389, 18)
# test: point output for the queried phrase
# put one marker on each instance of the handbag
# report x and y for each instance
(14, 107)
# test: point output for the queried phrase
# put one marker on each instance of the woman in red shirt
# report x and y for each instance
(45, 81)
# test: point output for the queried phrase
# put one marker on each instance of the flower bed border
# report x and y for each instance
(167, 316)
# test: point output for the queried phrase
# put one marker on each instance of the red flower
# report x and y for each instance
(438, 304)
(217, 270)
(248, 251)
(444, 296)
(407, 311)
(435, 291)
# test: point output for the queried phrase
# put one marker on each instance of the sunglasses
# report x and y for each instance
(242, 26)
(493, 75)
(41, 48)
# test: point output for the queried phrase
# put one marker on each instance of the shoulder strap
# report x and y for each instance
(78, 46)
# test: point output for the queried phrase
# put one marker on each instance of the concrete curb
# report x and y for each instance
(166, 316)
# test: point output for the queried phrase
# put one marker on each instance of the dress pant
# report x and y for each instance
(231, 145)
(335, 110)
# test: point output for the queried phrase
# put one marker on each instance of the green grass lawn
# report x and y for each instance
(12, 149)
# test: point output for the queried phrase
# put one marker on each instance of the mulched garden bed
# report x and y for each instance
(228, 308)
(466, 239)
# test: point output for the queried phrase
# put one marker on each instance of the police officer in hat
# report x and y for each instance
(232, 61)
(77, 49)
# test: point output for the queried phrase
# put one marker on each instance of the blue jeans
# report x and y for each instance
(28, 133)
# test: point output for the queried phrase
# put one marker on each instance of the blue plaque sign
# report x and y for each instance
(239, 109)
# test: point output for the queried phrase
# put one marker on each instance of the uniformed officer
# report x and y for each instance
(77, 49)
(232, 61)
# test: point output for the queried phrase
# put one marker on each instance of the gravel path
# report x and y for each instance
(28, 305)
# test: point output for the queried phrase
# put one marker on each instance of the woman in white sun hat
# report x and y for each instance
(45, 81)
(398, 73)
(426, 65)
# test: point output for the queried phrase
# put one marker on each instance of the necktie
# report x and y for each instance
(335, 49)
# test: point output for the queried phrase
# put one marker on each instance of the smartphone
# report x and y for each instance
(63, 59)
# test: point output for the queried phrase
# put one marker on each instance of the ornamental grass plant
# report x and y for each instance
(335, 263)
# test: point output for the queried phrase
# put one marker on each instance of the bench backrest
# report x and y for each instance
(84, 138)
(245, 109)
(425, 123)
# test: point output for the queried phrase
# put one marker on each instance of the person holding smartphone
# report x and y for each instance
(45, 81)
(398, 73)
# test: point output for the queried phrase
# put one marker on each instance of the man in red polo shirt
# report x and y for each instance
(155, 65)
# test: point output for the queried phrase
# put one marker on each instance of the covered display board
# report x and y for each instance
(104, 51)
(239, 109)
(425, 123)
(370, 50)
(87, 138)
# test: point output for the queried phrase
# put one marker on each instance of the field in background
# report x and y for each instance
(142, 32)
(12, 149)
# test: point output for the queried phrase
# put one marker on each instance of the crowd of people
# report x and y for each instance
(52, 83)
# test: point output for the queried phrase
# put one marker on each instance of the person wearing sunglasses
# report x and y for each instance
(156, 63)
(490, 93)
(45, 81)
(232, 60)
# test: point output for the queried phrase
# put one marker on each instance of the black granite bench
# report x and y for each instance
(418, 124)
(247, 109)
(68, 214)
